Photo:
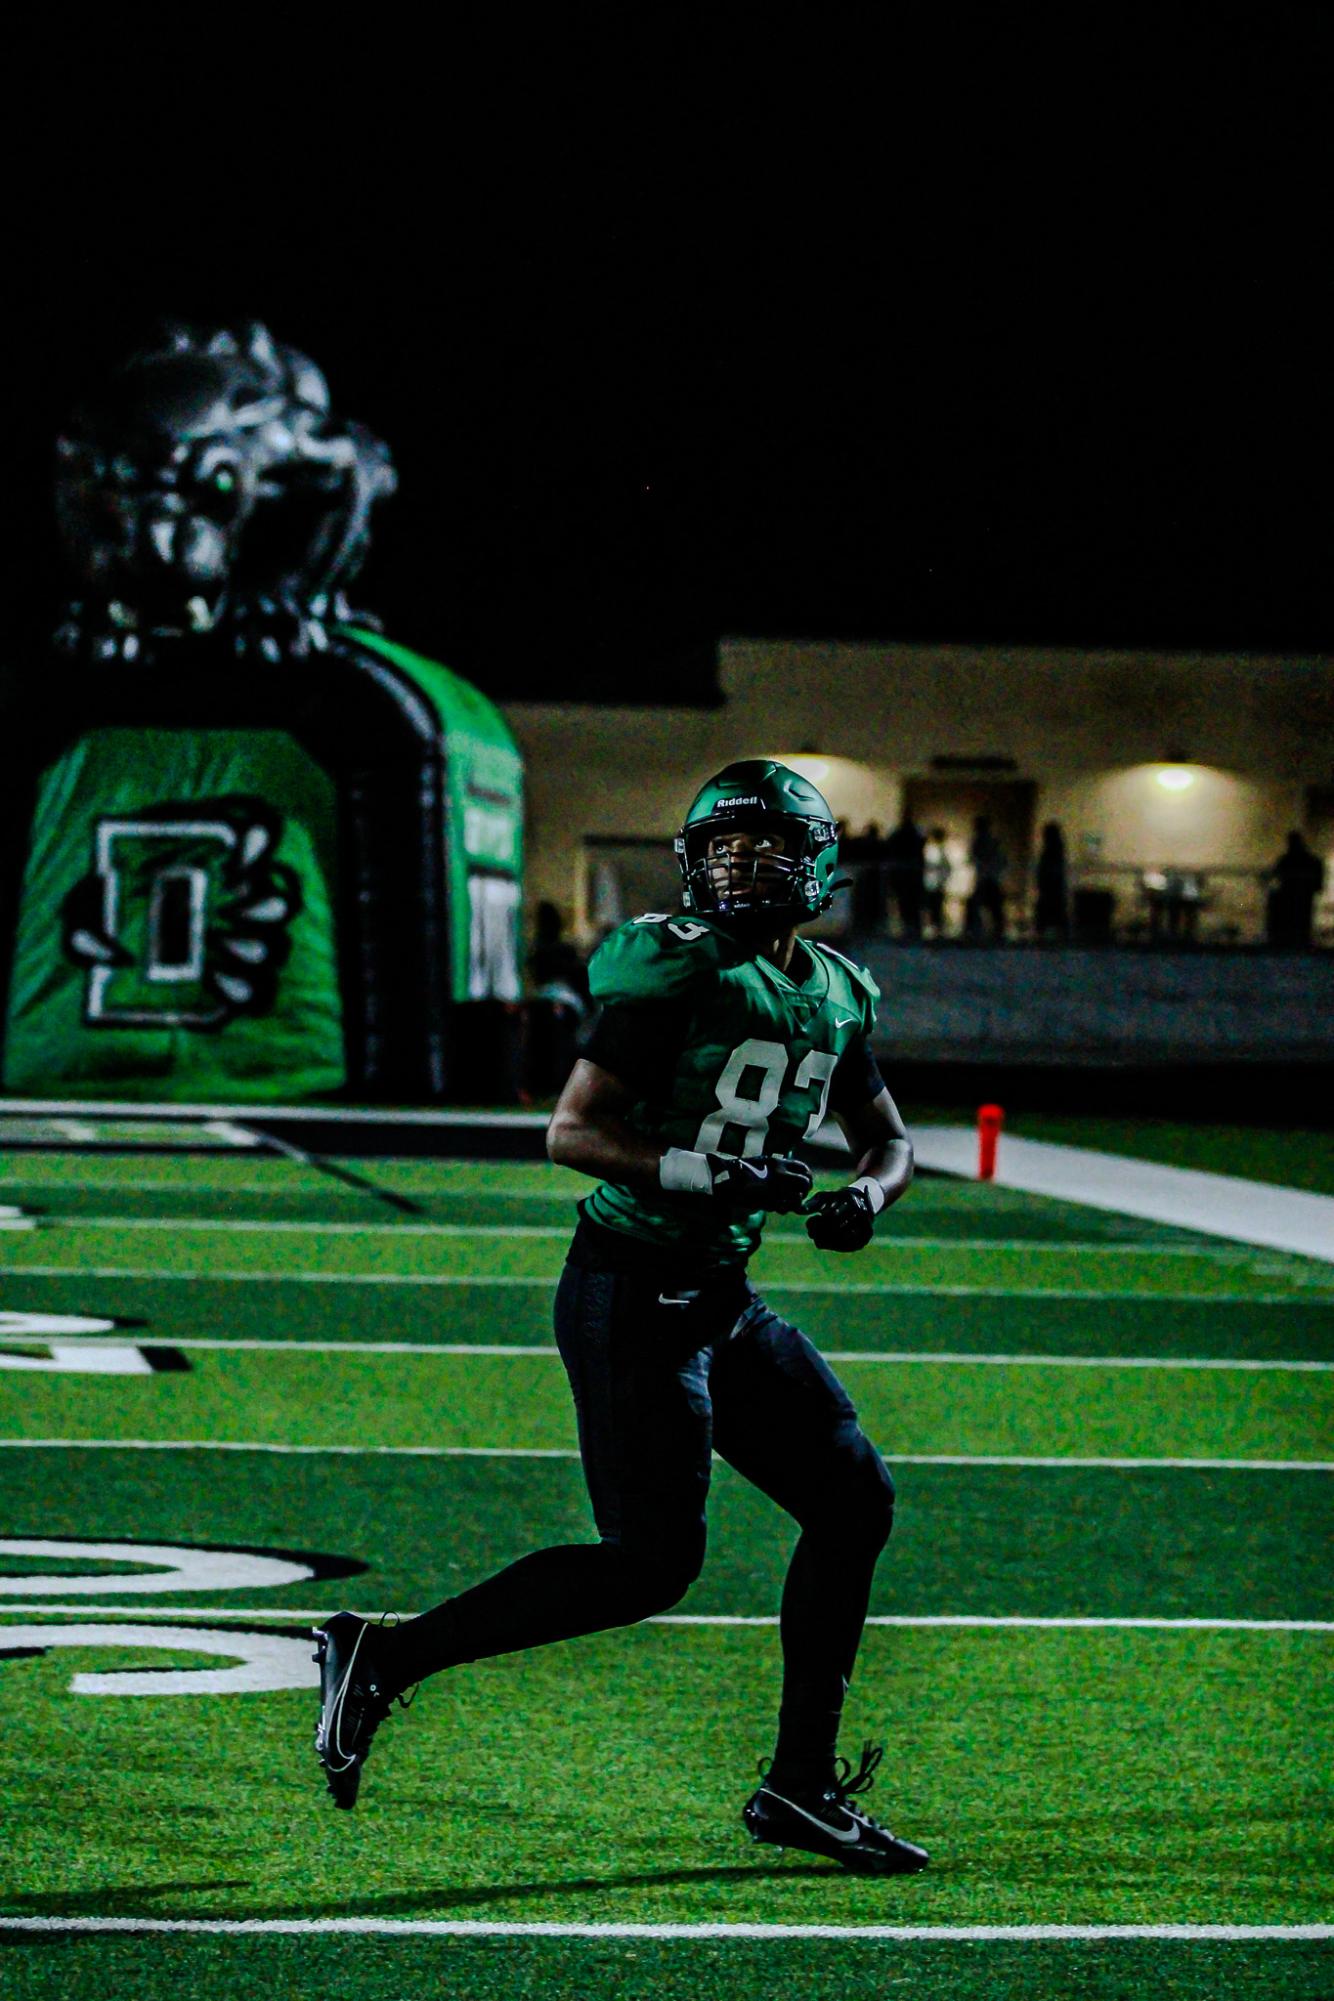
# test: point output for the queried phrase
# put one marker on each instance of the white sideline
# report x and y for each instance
(1125, 1465)
(33, 1606)
(946, 1358)
(549, 1280)
(489, 1928)
(1219, 1205)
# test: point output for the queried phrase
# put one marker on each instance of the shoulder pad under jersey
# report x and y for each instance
(861, 989)
(655, 957)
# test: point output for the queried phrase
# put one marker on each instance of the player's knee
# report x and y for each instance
(669, 1578)
(878, 1505)
(868, 1498)
(655, 1580)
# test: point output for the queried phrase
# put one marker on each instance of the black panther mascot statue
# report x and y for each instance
(249, 848)
(210, 487)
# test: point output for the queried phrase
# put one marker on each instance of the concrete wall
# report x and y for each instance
(1088, 728)
(958, 1004)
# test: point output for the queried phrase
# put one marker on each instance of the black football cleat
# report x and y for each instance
(829, 1823)
(353, 1701)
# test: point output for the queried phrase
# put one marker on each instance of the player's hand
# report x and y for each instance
(774, 1181)
(841, 1219)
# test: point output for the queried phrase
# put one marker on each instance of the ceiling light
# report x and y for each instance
(1175, 777)
(814, 769)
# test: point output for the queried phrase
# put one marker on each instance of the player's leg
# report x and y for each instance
(638, 1371)
(783, 1419)
(640, 1387)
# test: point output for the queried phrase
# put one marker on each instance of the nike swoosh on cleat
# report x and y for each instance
(849, 1836)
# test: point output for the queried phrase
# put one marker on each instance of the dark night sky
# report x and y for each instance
(1011, 325)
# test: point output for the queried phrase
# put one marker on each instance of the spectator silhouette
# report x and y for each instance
(559, 1010)
(935, 877)
(905, 858)
(1296, 880)
(865, 854)
(989, 859)
(1051, 917)
(554, 965)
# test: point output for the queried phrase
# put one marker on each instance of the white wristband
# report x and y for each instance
(685, 1173)
(873, 1192)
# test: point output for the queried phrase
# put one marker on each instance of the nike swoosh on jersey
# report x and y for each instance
(848, 1835)
(843, 1020)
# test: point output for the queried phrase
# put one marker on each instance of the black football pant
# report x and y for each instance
(661, 1379)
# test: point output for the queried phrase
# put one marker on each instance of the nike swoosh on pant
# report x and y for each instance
(848, 1836)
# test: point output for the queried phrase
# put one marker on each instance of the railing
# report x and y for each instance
(1118, 903)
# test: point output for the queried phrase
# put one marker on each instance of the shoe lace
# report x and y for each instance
(863, 1778)
(848, 1783)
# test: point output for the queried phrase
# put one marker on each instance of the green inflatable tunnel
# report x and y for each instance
(292, 882)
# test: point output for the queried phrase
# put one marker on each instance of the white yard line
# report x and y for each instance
(122, 1109)
(1116, 1464)
(28, 1608)
(1219, 1205)
(925, 1356)
(549, 1281)
(490, 1928)
(306, 1227)
(285, 1183)
(1215, 1204)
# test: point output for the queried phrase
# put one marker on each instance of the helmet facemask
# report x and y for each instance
(772, 875)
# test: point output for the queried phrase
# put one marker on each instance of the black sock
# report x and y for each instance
(803, 1760)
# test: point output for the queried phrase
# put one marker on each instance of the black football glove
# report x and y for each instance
(775, 1181)
(840, 1220)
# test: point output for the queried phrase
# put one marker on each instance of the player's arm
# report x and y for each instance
(591, 1130)
(843, 1219)
(878, 1137)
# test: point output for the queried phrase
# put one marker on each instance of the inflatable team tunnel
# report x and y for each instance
(224, 879)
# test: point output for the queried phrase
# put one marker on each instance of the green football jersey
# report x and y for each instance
(753, 1073)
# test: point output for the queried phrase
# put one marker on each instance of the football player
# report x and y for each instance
(723, 1041)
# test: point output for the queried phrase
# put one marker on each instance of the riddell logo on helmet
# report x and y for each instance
(741, 799)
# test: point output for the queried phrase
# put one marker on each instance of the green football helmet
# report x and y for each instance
(789, 872)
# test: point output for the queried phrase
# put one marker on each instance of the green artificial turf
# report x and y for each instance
(523, 1401)
(986, 1540)
(1299, 1327)
(603, 1781)
(415, 1255)
(157, 1968)
(1058, 1774)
